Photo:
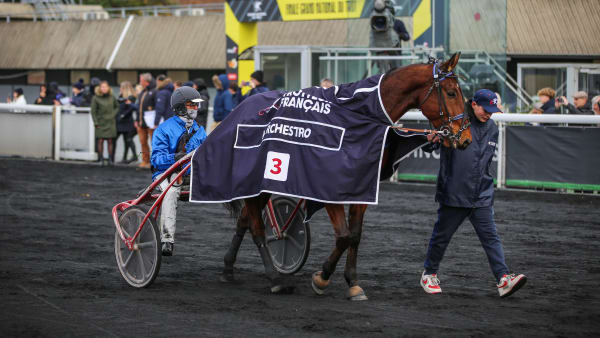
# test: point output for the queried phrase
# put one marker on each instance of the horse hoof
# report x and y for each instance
(356, 293)
(318, 283)
(282, 290)
(227, 278)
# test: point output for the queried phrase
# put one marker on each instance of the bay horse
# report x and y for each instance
(431, 87)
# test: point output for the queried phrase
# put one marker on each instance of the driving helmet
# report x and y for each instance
(181, 96)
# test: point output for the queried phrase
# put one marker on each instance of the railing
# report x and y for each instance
(417, 54)
(58, 12)
(483, 57)
(57, 132)
(502, 120)
(69, 130)
(334, 55)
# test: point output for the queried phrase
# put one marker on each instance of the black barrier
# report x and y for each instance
(536, 157)
(423, 166)
(553, 157)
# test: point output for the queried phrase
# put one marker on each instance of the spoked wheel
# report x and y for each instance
(139, 266)
(289, 253)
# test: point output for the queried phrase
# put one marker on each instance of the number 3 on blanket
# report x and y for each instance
(276, 167)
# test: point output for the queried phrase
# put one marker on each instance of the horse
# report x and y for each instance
(433, 88)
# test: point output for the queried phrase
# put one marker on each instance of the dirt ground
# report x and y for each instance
(58, 276)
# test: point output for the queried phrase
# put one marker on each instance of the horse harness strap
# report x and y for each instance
(444, 129)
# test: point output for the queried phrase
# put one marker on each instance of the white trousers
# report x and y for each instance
(168, 214)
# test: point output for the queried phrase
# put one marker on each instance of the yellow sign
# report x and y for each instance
(295, 10)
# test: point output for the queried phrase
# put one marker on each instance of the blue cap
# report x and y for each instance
(487, 99)
(188, 84)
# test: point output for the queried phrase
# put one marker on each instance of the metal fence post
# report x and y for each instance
(92, 137)
(501, 159)
(57, 112)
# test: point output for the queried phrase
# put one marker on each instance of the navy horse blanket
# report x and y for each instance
(324, 145)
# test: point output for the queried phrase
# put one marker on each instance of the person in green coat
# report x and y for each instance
(104, 109)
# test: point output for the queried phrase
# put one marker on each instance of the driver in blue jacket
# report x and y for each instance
(465, 189)
(172, 140)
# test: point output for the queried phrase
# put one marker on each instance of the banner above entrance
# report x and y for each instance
(296, 10)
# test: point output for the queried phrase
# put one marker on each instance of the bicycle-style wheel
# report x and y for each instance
(290, 252)
(139, 266)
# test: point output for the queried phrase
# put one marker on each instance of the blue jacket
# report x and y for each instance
(165, 140)
(78, 100)
(464, 179)
(549, 107)
(256, 90)
(125, 116)
(163, 103)
(223, 101)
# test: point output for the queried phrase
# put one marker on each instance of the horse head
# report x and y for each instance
(433, 88)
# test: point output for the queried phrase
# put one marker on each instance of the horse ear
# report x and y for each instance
(449, 65)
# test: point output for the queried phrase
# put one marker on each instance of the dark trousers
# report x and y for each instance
(127, 142)
(449, 219)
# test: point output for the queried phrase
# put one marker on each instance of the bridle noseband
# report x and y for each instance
(444, 130)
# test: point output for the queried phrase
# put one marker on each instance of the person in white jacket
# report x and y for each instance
(17, 97)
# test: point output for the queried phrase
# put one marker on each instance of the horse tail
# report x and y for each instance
(234, 207)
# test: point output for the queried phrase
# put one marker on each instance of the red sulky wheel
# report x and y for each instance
(139, 266)
(289, 253)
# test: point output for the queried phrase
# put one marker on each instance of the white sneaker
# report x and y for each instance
(430, 283)
(509, 284)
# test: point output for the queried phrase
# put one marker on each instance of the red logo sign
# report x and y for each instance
(232, 77)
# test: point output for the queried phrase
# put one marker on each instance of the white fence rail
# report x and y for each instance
(60, 132)
(502, 119)
(57, 132)
(46, 131)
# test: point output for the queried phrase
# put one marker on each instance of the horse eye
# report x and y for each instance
(451, 93)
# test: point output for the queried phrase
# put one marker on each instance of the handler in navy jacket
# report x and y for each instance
(465, 188)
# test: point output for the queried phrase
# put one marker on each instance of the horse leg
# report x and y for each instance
(254, 207)
(236, 242)
(320, 279)
(355, 221)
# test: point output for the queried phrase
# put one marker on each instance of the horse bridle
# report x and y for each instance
(445, 130)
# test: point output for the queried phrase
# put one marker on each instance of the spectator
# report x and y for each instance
(125, 118)
(499, 104)
(58, 94)
(17, 97)
(89, 93)
(256, 83)
(596, 104)
(44, 98)
(177, 84)
(546, 96)
(104, 110)
(581, 106)
(537, 108)
(236, 94)
(223, 101)
(200, 86)
(165, 88)
(138, 90)
(78, 98)
(326, 83)
(146, 104)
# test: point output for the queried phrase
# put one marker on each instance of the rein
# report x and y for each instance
(444, 130)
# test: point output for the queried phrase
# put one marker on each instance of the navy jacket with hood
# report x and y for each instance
(163, 103)
(464, 179)
(223, 101)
